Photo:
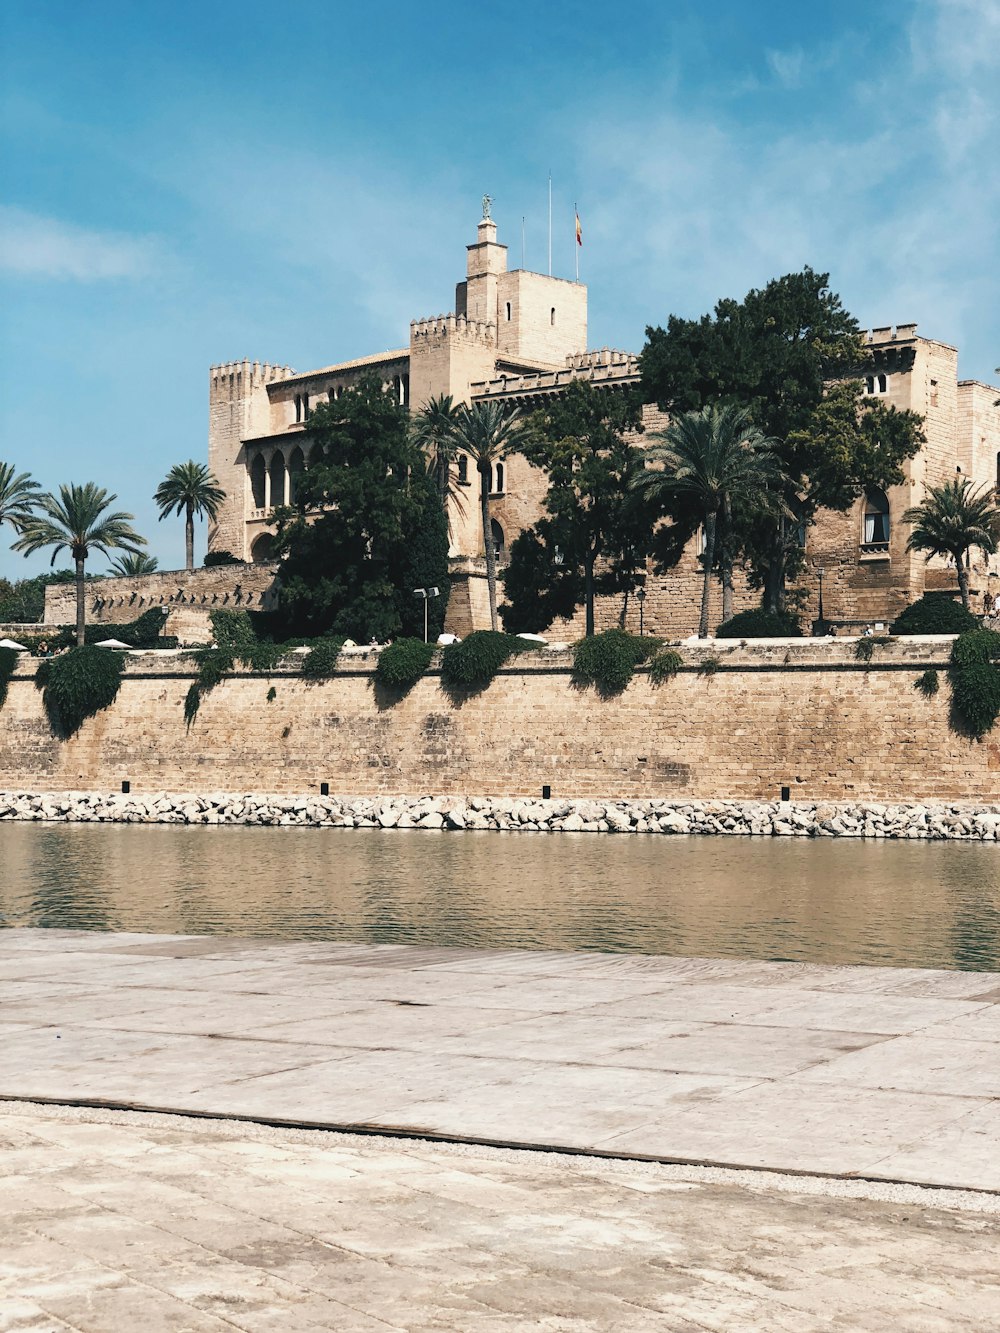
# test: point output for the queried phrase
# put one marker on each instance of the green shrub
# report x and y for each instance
(927, 683)
(760, 624)
(934, 613)
(665, 664)
(865, 647)
(213, 664)
(975, 680)
(79, 684)
(321, 660)
(272, 694)
(260, 656)
(708, 666)
(8, 661)
(608, 660)
(222, 558)
(232, 628)
(474, 662)
(402, 663)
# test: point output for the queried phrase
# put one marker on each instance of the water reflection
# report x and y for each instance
(909, 904)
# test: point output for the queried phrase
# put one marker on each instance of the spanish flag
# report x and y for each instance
(579, 231)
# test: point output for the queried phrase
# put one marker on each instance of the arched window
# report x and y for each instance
(277, 474)
(258, 483)
(296, 466)
(262, 548)
(298, 407)
(499, 545)
(406, 391)
(463, 469)
(397, 388)
(305, 407)
(552, 316)
(883, 384)
(870, 384)
(508, 312)
(498, 479)
(875, 533)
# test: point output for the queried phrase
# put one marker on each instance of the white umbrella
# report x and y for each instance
(112, 643)
(533, 638)
(9, 643)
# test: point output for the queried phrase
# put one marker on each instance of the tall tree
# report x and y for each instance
(434, 432)
(78, 521)
(952, 520)
(368, 527)
(718, 460)
(488, 432)
(581, 441)
(189, 489)
(18, 496)
(793, 357)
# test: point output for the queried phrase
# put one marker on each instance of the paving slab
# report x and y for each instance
(842, 1070)
(112, 1220)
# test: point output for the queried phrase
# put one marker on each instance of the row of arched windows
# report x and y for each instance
(274, 481)
(400, 385)
(497, 475)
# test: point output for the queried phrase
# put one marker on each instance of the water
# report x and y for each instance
(903, 904)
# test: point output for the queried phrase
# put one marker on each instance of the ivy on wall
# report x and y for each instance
(78, 684)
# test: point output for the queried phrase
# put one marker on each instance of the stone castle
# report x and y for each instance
(519, 336)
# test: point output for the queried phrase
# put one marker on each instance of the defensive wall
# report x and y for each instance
(802, 714)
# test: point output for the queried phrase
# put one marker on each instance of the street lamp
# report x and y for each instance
(640, 597)
(426, 594)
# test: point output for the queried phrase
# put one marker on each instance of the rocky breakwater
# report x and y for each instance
(518, 815)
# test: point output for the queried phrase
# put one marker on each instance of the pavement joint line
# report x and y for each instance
(416, 1135)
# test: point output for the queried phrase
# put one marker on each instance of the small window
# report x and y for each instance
(305, 406)
(508, 312)
(870, 384)
(258, 469)
(552, 316)
(934, 393)
(875, 528)
(499, 544)
(883, 384)
(463, 469)
(498, 479)
(298, 408)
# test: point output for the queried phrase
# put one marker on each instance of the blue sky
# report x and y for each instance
(188, 184)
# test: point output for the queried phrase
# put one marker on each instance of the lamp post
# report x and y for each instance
(640, 597)
(426, 594)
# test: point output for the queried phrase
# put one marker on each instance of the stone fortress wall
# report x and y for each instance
(802, 714)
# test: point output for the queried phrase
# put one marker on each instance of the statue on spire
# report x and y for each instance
(487, 205)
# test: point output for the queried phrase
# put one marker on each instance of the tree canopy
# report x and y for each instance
(793, 357)
(367, 527)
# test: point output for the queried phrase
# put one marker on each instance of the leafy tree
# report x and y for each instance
(77, 521)
(717, 459)
(367, 528)
(488, 432)
(793, 357)
(23, 602)
(602, 534)
(133, 564)
(17, 496)
(189, 489)
(434, 432)
(952, 520)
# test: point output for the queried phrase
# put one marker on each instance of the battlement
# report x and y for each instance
(247, 374)
(890, 333)
(604, 368)
(439, 327)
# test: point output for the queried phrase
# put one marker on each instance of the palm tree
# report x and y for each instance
(434, 431)
(488, 432)
(953, 519)
(189, 488)
(723, 463)
(77, 522)
(133, 564)
(17, 496)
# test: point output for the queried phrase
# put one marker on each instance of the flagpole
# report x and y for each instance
(550, 224)
(522, 240)
(576, 243)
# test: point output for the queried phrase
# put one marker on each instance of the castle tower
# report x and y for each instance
(238, 409)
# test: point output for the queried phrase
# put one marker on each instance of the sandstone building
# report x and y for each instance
(518, 336)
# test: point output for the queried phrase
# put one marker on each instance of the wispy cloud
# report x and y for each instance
(787, 67)
(42, 247)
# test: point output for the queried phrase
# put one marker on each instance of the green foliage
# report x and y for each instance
(953, 519)
(379, 531)
(221, 558)
(8, 661)
(321, 660)
(664, 665)
(472, 664)
(402, 663)
(975, 680)
(133, 564)
(708, 666)
(272, 694)
(608, 660)
(79, 684)
(23, 602)
(760, 624)
(927, 683)
(934, 613)
(865, 647)
(213, 665)
(232, 628)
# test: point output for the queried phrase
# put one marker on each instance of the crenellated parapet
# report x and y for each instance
(602, 368)
(437, 328)
(246, 375)
(890, 333)
(604, 356)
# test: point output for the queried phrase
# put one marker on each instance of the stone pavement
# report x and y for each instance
(123, 1222)
(883, 1073)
